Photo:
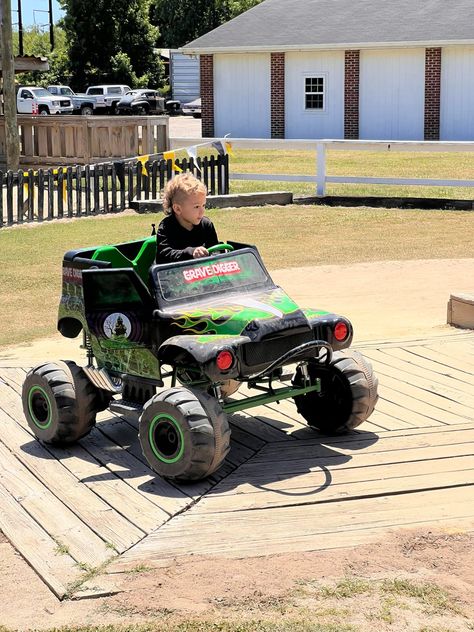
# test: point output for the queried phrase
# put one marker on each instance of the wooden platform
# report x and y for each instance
(97, 507)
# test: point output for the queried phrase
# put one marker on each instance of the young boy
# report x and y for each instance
(185, 233)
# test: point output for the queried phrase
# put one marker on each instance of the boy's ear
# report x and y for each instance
(176, 208)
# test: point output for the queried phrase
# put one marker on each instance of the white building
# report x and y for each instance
(369, 69)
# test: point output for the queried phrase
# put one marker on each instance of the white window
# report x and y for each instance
(314, 93)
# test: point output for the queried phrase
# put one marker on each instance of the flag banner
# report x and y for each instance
(170, 155)
(228, 147)
(143, 160)
(219, 145)
(192, 153)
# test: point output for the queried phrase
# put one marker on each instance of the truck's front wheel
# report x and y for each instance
(348, 393)
(43, 111)
(184, 434)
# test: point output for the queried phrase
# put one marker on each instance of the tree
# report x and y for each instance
(181, 21)
(36, 42)
(111, 42)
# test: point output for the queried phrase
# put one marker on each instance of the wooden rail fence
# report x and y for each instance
(73, 140)
(108, 187)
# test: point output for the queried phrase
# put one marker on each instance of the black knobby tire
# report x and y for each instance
(59, 402)
(348, 393)
(184, 434)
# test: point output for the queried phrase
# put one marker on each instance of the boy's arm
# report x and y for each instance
(211, 235)
(165, 253)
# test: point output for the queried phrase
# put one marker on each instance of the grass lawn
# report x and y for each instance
(31, 256)
(438, 165)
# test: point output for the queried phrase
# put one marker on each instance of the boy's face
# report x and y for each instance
(189, 212)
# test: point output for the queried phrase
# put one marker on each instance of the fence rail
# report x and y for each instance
(72, 140)
(320, 148)
(109, 187)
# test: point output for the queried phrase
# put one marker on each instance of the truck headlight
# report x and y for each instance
(57, 103)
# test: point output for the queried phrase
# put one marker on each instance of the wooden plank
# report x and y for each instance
(253, 426)
(13, 377)
(420, 401)
(344, 485)
(407, 417)
(100, 516)
(430, 382)
(320, 485)
(454, 377)
(304, 527)
(353, 444)
(55, 518)
(36, 546)
(326, 458)
(443, 360)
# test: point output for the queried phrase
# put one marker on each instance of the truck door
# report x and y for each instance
(25, 102)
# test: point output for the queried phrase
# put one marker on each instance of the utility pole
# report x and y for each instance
(51, 24)
(12, 139)
(20, 30)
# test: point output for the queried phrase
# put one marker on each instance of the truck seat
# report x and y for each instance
(113, 255)
(145, 258)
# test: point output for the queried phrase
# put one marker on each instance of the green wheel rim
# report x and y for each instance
(39, 406)
(166, 438)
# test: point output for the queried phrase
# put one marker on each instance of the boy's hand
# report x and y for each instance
(200, 251)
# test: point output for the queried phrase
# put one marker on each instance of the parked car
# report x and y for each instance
(143, 101)
(81, 103)
(33, 100)
(107, 96)
(193, 108)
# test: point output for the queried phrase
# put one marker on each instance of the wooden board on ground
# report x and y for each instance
(283, 487)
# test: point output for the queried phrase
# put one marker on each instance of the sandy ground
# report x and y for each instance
(388, 300)
(410, 581)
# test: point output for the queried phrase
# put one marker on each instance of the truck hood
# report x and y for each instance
(254, 314)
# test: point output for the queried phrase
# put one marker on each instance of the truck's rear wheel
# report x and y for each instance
(184, 434)
(59, 402)
(87, 111)
(348, 393)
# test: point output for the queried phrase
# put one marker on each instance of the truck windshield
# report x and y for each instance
(41, 92)
(220, 274)
(67, 92)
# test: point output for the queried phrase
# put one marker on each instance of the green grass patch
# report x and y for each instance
(383, 164)
(433, 598)
(289, 236)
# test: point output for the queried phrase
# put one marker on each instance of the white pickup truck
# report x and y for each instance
(33, 100)
(107, 96)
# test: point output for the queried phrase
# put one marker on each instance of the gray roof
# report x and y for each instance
(311, 24)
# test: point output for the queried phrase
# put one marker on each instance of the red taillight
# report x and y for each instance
(341, 331)
(224, 360)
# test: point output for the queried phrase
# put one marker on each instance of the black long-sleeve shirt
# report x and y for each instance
(176, 243)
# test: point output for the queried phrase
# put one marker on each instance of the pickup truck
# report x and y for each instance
(33, 100)
(82, 103)
(107, 96)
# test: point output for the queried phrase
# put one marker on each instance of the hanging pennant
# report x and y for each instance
(143, 160)
(192, 153)
(170, 155)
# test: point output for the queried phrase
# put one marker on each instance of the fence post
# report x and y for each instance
(321, 169)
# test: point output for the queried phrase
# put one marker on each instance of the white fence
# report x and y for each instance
(320, 148)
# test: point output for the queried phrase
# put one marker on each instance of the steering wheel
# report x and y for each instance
(220, 248)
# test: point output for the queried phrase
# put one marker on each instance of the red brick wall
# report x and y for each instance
(432, 92)
(207, 95)
(277, 65)
(351, 93)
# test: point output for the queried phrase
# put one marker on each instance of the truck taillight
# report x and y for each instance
(341, 331)
(224, 360)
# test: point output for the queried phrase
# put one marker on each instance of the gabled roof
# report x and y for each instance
(278, 25)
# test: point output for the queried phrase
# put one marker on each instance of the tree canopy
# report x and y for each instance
(111, 42)
(181, 21)
(36, 42)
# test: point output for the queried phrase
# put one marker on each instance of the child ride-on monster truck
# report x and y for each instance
(208, 325)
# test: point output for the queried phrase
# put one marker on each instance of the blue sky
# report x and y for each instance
(33, 12)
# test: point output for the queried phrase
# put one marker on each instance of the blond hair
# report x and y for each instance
(180, 187)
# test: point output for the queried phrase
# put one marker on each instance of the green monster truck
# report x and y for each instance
(208, 325)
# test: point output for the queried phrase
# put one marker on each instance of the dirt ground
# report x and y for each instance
(390, 300)
(411, 580)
